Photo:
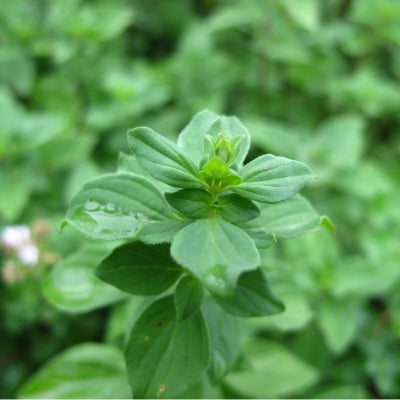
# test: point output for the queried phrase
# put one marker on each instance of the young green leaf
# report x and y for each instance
(231, 127)
(217, 176)
(85, 371)
(236, 209)
(252, 298)
(140, 269)
(191, 139)
(163, 355)
(216, 252)
(115, 206)
(189, 295)
(271, 179)
(162, 159)
(193, 203)
(288, 219)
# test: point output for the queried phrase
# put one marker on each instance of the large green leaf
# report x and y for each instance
(163, 355)
(271, 179)
(72, 286)
(84, 371)
(162, 159)
(274, 372)
(115, 206)
(252, 297)
(216, 252)
(140, 269)
(287, 219)
(224, 332)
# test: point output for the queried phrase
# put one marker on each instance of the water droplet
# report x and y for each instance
(111, 207)
(142, 217)
(91, 205)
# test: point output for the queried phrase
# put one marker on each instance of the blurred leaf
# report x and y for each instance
(72, 286)
(338, 320)
(89, 370)
(273, 372)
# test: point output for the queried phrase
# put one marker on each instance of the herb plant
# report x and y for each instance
(196, 217)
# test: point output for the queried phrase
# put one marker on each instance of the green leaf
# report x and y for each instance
(271, 179)
(287, 219)
(161, 231)
(236, 209)
(262, 239)
(191, 139)
(139, 269)
(252, 297)
(225, 339)
(217, 176)
(85, 371)
(231, 127)
(129, 163)
(274, 372)
(338, 321)
(193, 203)
(189, 295)
(305, 13)
(163, 355)
(72, 286)
(339, 141)
(162, 158)
(115, 206)
(17, 183)
(216, 252)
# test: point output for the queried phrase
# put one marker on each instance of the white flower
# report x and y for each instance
(15, 236)
(28, 254)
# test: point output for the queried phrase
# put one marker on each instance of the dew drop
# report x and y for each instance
(91, 205)
(111, 207)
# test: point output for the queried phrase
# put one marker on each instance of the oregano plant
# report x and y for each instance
(193, 217)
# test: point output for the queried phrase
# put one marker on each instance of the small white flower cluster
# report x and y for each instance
(17, 238)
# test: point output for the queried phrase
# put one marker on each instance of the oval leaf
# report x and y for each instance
(162, 158)
(224, 337)
(140, 269)
(271, 179)
(163, 355)
(194, 203)
(216, 252)
(115, 206)
(236, 209)
(188, 296)
(291, 218)
(253, 297)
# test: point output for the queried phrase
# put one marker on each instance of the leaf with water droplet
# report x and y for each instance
(115, 206)
(216, 252)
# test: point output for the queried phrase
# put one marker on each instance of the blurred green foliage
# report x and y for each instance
(315, 80)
